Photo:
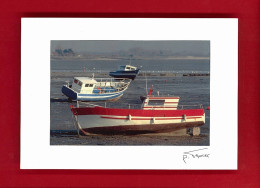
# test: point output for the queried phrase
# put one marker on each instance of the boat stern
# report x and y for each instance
(203, 118)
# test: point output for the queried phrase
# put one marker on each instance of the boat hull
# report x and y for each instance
(130, 121)
(124, 74)
(140, 129)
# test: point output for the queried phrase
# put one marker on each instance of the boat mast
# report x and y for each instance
(145, 83)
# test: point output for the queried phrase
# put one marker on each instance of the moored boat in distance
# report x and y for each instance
(125, 71)
(157, 114)
(98, 89)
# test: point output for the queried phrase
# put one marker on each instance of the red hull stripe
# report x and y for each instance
(167, 102)
(135, 112)
(148, 118)
(159, 107)
(113, 117)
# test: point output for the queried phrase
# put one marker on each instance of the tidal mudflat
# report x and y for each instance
(191, 89)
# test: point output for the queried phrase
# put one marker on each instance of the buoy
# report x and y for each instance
(208, 108)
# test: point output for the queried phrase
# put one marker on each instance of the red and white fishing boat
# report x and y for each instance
(156, 114)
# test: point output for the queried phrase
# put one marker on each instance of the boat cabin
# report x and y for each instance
(84, 85)
(160, 103)
(126, 68)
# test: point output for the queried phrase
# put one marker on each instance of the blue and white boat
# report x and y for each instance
(98, 89)
(125, 71)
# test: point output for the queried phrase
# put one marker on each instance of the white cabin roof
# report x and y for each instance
(130, 66)
(124, 66)
(86, 80)
(160, 103)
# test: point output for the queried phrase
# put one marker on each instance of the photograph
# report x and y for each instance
(130, 92)
(138, 91)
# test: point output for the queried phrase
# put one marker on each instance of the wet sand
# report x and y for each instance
(169, 139)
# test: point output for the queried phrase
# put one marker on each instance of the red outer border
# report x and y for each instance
(248, 172)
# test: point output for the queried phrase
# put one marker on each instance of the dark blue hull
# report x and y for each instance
(69, 93)
(124, 74)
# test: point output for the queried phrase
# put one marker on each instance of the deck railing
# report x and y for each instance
(132, 106)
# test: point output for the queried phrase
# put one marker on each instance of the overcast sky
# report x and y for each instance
(198, 47)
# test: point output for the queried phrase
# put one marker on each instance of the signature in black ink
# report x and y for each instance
(195, 154)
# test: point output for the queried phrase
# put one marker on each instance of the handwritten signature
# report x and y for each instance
(195, 154)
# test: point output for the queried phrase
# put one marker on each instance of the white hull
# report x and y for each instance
(90, 123)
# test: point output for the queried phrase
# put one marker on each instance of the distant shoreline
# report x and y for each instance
(136, 58)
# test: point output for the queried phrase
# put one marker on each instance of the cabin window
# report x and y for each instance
(75, 81)
(156, 102)
(132, 69)
(128, 68)
(88, 85)
(80, 83)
